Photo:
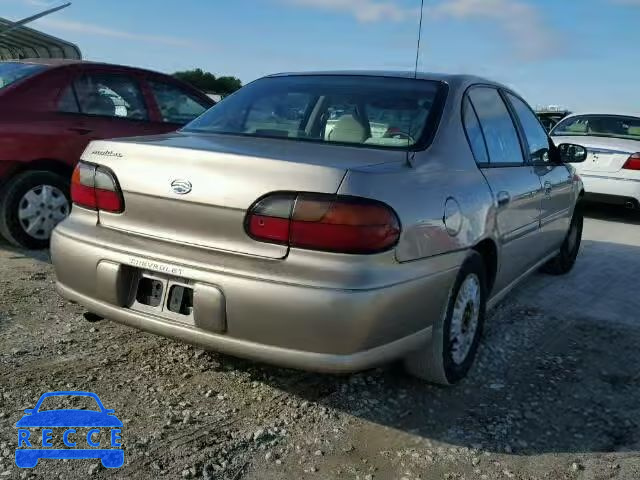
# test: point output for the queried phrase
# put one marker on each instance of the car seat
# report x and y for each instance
(348, 130)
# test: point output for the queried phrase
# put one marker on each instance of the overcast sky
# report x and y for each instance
(583, 54)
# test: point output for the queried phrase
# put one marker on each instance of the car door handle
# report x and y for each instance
(80, 130)
(503, 198)
(547, 188)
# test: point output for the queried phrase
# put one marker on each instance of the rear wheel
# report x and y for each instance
(32, 204)
(455, 337)
(562, 263)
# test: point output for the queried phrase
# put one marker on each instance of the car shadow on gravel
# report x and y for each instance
(9, 251)
(548, 379)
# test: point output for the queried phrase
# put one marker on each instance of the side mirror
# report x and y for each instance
(29, 411)
(109, 411)
(570, 153)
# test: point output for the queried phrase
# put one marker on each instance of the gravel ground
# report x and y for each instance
(555, 393)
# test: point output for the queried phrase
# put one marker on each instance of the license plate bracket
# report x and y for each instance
(180, 299)
(165, 296)
(150, 291)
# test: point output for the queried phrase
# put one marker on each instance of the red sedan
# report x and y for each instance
(51, 109)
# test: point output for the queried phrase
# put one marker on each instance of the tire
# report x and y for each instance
(563, 263)
(41, 186)
(446, 361)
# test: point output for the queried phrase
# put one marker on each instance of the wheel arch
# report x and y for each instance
(488, 250)
(47, 164)
(43, 164)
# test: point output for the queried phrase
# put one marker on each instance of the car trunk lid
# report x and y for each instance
(196, 189)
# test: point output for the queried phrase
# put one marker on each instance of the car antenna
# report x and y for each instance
(415, 70)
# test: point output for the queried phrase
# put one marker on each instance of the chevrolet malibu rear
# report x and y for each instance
(328, 222)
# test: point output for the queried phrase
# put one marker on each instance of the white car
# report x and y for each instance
(611, 173)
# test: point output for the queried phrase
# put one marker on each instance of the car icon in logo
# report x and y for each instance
(82, 433)
(181, 187)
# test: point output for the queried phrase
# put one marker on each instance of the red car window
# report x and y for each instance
(175, 104)
(110, 95)
(68, 101)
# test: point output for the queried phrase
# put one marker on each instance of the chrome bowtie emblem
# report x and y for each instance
(181, 187)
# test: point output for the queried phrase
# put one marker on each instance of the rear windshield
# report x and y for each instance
(356, 110)
(11, 72)
(615, 126)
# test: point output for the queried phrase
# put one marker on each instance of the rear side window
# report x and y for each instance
(175, 104)
(497, 125)
(474, 133)
(11, 72)
(536, 134)
(357, 110)
(68, 101)
(109, 95)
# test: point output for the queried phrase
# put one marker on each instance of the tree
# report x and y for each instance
(207, 81)
(228, 85)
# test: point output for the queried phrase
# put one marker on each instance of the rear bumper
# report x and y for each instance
(609, 189)
(299, 326)
(285, 357)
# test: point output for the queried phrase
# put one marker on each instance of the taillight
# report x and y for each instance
(96, 187)
(332, 223)
(633, 162)
(83, 185)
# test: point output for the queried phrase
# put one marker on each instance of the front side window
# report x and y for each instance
(497, 125)
(176, 105)
(358, 110)
(614, 126)
(108, 95)
(11, 72)
(536, 134)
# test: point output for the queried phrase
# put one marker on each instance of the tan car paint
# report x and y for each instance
(299, 308)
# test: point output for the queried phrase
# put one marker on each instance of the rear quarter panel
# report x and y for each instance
(419, 189)
(419, 197)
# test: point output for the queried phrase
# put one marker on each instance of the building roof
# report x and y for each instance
(24, 42)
